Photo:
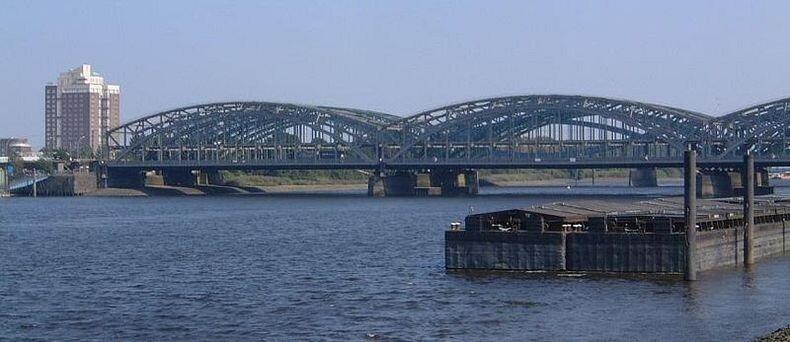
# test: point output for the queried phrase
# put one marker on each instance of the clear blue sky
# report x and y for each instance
(400, 57)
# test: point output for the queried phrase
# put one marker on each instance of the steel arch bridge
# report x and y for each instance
(533, 131)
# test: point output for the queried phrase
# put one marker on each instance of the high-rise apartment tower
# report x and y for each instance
(80, 109)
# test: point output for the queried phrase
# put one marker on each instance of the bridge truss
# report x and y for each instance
(516, 131)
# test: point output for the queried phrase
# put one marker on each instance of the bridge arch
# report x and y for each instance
(563, 123)
(248, 130)
(767, 125)
(512, 130)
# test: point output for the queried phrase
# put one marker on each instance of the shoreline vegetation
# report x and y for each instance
(487, 177)
(285, 178)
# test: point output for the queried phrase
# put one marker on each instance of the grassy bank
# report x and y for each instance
(511, 176)
(279, 178)
(326, 177)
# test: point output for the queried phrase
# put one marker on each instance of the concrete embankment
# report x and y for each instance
(76, 184)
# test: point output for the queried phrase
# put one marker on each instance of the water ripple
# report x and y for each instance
(328, 268)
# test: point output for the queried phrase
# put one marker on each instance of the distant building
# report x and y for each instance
(12, 148)
(80, 109)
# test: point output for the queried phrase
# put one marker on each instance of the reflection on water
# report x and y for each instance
(334, 267)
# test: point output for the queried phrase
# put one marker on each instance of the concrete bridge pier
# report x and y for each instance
(429, 183)
(179, 177)
(729, 183)
(456, 183)
(129, 178)
(473, 181)
(643, 177)
(716, 183)
(213, 177)
(761, 178)
(392, 184)
(191, 178)
(3, 181)
(375, 186)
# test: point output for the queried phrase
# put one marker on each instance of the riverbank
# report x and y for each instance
(223, 190)
(237, 183)
(607, 181)
(781, 335)
(294, 177)
(116, 192)
(356, 187)
(313, 187)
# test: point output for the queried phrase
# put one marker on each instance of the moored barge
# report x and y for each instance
(646, 236)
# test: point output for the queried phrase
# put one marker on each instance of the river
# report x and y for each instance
(334, 266)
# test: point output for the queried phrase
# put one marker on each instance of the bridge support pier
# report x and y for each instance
(430, 183)
(210, 178)
(727, 183)
(376, 186)
(399, 183)
(4, 186)
(456, 183)
(129, 178)
(179, 177)
(643, 177)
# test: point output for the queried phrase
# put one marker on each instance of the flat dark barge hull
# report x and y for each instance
(648, 241)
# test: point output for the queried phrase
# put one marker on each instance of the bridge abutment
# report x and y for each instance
(430, 183)
(643, 177)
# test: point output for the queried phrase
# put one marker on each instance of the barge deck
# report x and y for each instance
(616, 236)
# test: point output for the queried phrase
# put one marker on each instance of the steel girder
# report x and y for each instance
(499, 123)
(507, 119)
(765, 125)
(245, 124)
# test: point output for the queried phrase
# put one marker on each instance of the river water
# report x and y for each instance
(334, 266)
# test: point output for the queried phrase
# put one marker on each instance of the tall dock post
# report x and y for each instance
(748, 209)
(690, 208)
(35, 190)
